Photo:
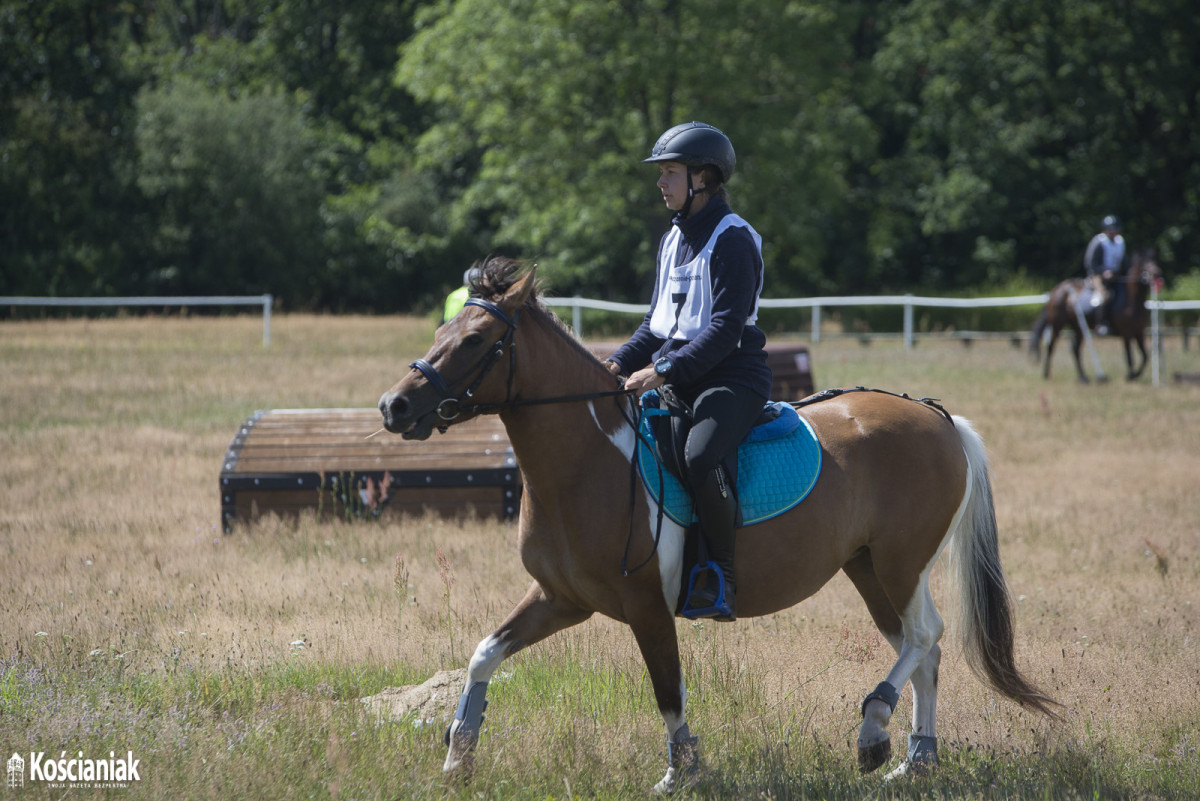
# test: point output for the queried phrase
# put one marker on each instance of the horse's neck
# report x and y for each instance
(555, 442)
(1136, 289)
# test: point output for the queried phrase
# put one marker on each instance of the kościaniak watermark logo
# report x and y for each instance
(15, 776)
(75, 772)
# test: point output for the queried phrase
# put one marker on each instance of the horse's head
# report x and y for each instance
(1144, 267)
(469, 366)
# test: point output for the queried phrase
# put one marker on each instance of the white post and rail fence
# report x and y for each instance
(577, 305)
(908, 302)
(265, 301)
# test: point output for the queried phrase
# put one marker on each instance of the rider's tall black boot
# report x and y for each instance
(716, 506)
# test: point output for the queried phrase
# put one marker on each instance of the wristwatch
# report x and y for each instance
(663, 368)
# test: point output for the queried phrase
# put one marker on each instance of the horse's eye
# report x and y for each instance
(472, 340)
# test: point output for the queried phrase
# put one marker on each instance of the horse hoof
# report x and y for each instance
(922, 758)
(460, 758)
(913, 769)
(871, 757)
(676, 780)
(459, 770)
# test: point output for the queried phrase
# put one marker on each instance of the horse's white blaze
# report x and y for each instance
(670, 545)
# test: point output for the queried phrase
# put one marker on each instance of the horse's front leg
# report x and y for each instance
(535, 618)
(654, 630)
(1133, 374)
(1077, 352)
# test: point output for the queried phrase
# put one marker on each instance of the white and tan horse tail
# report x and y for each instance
(985, 609)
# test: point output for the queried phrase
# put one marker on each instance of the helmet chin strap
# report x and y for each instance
(687, 204)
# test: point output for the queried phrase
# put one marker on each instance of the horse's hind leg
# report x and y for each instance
(922, 741)
(535, 618)
(1055, 330)
(913, 634)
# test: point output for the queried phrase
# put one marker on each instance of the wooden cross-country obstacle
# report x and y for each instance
(286, 461)
(791, 371)
(336, 462)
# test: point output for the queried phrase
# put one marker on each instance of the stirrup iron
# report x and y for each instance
(720, 607)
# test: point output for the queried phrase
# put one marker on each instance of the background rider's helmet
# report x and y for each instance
(471, 275)
(1111, 221)
(695, 144)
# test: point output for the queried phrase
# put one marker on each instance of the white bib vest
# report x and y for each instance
(1113, 250)
(683, 307)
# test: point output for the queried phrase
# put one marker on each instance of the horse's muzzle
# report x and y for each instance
(399, 419)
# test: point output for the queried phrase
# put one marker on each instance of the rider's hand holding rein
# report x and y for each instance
(643, 380)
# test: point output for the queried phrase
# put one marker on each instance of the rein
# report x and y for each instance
(452, 406)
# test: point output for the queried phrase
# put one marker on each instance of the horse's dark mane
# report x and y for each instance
(493, 276)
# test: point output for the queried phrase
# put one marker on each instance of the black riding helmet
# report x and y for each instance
(695, 144)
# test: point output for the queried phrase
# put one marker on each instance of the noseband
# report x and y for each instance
(451, 406)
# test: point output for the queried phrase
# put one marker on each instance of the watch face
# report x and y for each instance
(662, 366)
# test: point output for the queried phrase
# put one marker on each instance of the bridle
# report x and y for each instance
(453, 406)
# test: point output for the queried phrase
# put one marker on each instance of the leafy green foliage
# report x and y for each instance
(238, 205)
(359, 156)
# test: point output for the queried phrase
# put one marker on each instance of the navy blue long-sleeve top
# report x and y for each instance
(729, 350)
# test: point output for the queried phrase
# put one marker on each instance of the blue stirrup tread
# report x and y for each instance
(720, 607)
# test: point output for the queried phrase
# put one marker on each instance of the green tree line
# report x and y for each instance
(359, 155)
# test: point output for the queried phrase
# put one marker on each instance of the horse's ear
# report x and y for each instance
(520, 291)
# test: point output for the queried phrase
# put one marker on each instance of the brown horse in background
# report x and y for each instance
(900, 479)
(1127, 318)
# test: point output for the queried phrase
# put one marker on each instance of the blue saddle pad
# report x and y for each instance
(778, 464)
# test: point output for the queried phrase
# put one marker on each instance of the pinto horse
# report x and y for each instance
(900, 480)
(1128, 318)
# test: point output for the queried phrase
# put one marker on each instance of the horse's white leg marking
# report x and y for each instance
(918, 653)
(487, 657)
(464, 729)
(682, 750)
(670, 545)
(922, 627)
(675, 722)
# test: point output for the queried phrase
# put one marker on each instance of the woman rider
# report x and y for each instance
(699, 336)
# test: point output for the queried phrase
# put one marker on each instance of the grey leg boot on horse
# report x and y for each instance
(717, 507)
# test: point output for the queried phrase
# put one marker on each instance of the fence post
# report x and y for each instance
(908, 324)
(577, 317)
(816, 324)
(267, 301)
(1154, 334)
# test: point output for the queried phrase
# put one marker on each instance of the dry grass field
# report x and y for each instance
(231, 666)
